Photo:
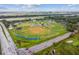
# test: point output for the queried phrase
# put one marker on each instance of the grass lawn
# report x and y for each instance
(68, 46)
(42, 33)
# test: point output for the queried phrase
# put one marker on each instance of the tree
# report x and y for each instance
(71, 25)
(6, 23)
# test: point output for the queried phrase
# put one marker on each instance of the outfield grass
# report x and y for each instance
(32, 29)
(64, 47)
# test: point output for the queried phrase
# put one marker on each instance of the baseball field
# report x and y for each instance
(31, 33)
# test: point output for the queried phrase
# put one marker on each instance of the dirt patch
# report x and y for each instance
(36, 30)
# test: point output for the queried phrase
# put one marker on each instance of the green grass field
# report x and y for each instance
(68, 46)
(30, 29)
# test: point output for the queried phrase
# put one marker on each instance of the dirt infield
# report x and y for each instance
(36, 30)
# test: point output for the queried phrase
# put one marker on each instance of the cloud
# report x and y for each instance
(70, 5)
(29, 7)
(32, 5)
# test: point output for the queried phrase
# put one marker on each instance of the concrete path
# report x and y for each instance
(10, 40)
(5, 46)
(44, 45)
(7, 39)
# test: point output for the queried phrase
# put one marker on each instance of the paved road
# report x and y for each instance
(5, 47)
(10, 40)
(44, 45)
(7, 39)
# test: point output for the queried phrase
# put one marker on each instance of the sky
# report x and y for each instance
(39, 7)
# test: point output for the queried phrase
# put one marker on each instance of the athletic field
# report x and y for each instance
(31, 33)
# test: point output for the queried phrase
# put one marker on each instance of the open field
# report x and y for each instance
(31, 33)
(68, 46)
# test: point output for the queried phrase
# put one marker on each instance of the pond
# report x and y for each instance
(28, 38)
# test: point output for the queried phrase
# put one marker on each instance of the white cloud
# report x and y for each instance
(31, 5)
(70, 5)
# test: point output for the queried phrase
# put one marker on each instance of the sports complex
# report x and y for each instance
(30, 33)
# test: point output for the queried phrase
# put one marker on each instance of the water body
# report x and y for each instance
(28, 38)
